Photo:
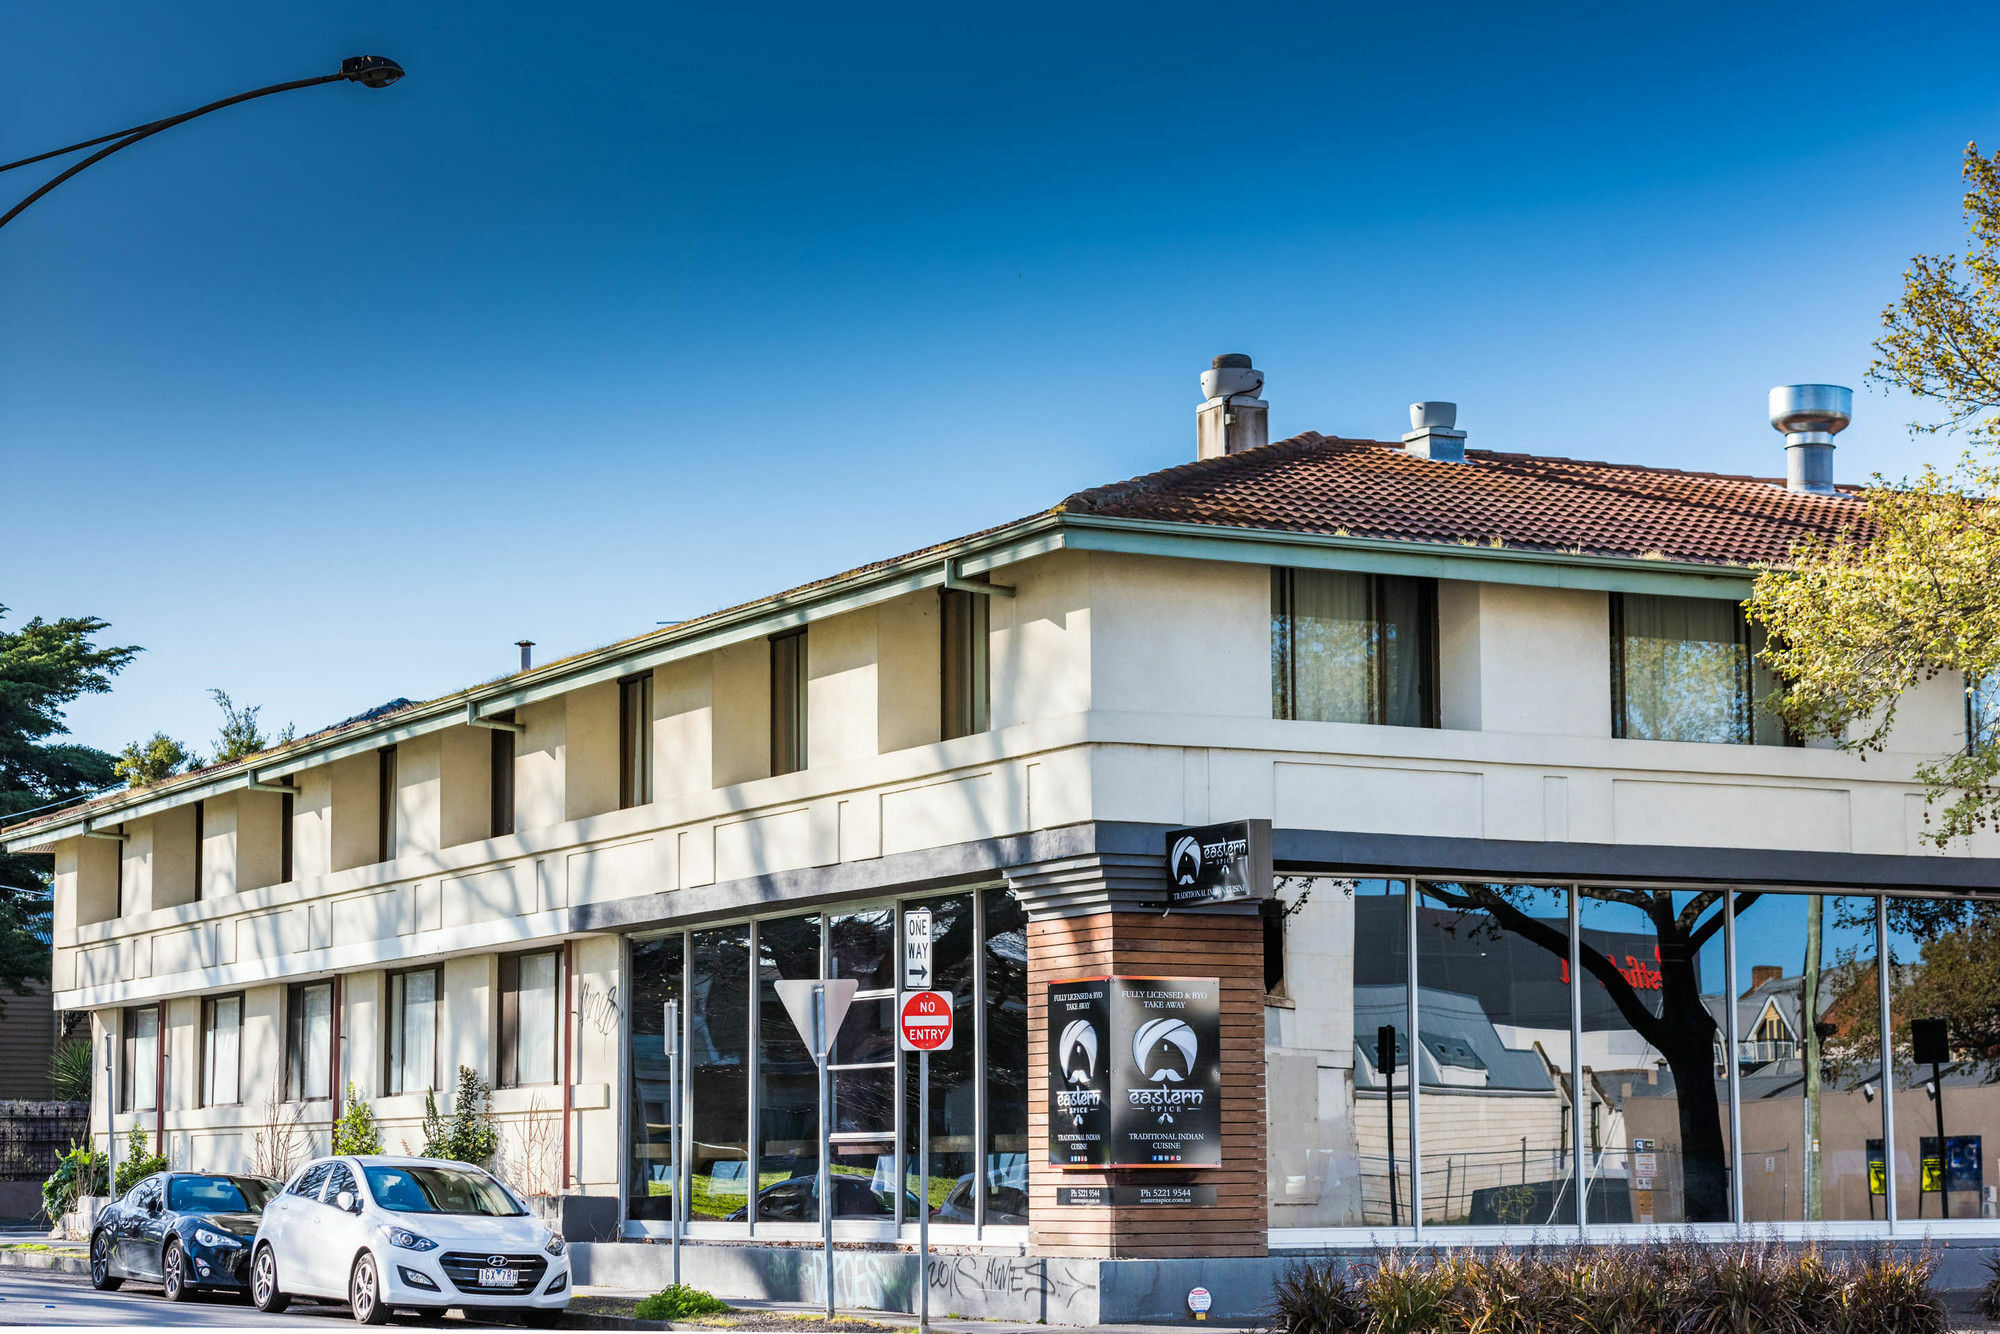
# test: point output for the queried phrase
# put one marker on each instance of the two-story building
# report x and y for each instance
(1502, 713)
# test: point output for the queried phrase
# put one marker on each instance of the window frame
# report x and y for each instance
(395, 1000)
(635, 737)
(504, 750)
(1284, 706)
(385, 804)
(128, 1046)
(208, 1008)
(788, 722)
(295, 1086)
(1748, 706)
(508, 1067)
(965, 663)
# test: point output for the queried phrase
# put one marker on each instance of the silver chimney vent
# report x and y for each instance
(1810, 415)
(1232, 417)
(1433, 434)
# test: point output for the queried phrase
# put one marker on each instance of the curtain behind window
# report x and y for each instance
(1688, 671)
(1352, 648)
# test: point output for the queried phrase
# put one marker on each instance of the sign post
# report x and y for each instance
(673, 1045)
(816, 1009)
(923, 1025)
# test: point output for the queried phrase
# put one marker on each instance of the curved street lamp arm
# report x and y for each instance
(351, 71)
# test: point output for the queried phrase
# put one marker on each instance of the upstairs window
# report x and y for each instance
(1688, 669)
(286, 810)
(965, 688)
(1353, 648)
(1982, 712)
(788, 702)
(308, 1041)
(635, 740)
(385, 803)
(141, 1081)
(502, 816)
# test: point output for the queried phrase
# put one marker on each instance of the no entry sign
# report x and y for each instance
(923, 1021)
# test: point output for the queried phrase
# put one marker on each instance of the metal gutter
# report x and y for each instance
(1436, 560)
(928, 569)
(942, 566)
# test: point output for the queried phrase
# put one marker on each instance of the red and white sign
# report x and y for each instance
(923, 1021)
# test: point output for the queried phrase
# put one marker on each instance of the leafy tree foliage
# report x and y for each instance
(240, 734)
(469, 1134)
(1911, 590)
(44, 666)
(357, 1131)
(158, 757)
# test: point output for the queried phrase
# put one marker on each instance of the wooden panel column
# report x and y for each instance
(1226, 946)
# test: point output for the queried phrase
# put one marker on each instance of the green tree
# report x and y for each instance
(1910, 590)
(469, 1134)
(240, 734)
(44, 667)
(356, 1131)
(158, 757)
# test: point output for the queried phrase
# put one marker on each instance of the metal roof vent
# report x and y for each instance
(1231, 417)
(1433, 433)
(1810, 415)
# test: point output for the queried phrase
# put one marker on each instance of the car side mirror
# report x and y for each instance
(346, 1203)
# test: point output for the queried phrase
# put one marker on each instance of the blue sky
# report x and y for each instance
(617, 313)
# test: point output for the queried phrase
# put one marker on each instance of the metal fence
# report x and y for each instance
(35, 1135)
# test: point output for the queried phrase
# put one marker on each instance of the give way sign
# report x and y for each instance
(923, 1021)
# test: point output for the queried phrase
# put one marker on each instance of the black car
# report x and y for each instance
(796, 1200)
(182, 1230)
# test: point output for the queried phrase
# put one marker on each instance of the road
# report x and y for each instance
(37, 1297)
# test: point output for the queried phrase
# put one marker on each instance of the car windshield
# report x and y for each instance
(218, 1194)
(439, 1190)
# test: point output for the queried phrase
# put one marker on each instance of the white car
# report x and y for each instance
(418, 1234)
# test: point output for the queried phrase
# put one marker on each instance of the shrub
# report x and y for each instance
(81, 1172)
(678, 1302)
(356, 1131)
(1989, 1296)
(1678, 1287)
(70, 1071)
(1316, 1299)
(468, 1135)
(136, 1165)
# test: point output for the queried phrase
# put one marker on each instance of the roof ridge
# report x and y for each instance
(1090, 498)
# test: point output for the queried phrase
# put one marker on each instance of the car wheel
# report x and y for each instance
(264, 1283)
(364, 1293)
(174, 1273)
(100, 1264)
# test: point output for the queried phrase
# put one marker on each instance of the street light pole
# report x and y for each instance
(368, 71)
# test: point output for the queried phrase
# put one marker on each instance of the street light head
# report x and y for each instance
(371, 71)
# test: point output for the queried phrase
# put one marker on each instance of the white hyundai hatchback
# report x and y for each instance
(422, 1234)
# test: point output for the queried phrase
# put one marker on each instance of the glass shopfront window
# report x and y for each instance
(1495, 1074)
(1945, 1037)
(1692, 1055)
(1004, 1014)
(657, 978)
(787, 1078)
(717, 1093)
(771, 1177)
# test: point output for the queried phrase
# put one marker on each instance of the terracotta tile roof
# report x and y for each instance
(1370, 488)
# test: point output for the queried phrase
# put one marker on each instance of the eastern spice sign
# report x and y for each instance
(1135, 1072)
(1219, 863)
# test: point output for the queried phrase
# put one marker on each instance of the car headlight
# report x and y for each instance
(204, 1237)
(556, 1244)
(410, 1241)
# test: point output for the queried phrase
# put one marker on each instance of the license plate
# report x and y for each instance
(499, 1278)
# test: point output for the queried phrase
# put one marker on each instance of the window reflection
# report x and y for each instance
(954, 1129)
(718, 1061)
(1811, 1123)
(1005, 1016)
(656, 979)
(787, 1077)
(1495, 1074)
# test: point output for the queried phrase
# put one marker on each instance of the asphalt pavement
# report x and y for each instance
(37, 1297)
